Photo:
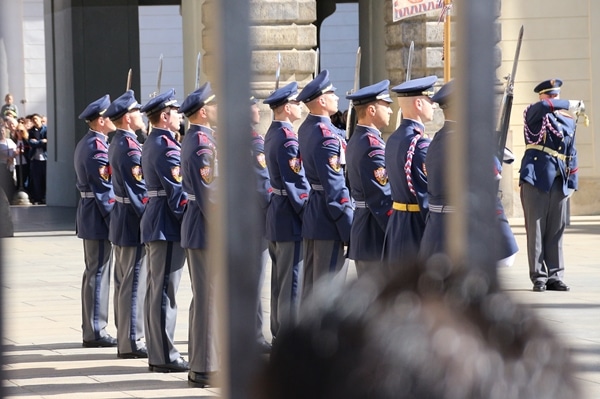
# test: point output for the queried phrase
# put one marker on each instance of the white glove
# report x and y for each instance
(576, 106)
(570, 192)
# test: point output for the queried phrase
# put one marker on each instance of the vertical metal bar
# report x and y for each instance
(471, 154)
(234, 233)
(447, 43)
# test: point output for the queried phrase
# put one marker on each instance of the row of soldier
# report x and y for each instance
(325, 200)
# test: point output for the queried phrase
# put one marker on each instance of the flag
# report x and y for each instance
(409, 8)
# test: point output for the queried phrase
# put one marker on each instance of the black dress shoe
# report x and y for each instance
(557, 285)
(539, 286)
(141, 353)
(172, 367)
(201, 379)
(264, 347)
(104, 342)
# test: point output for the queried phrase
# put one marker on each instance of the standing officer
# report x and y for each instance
(265, 193)
(284, 215)
(93, 217)
(405, 160)
(125, 157)
(199, 169)
(328, 215)
(161, 231)
(548, 176)
(368, 177)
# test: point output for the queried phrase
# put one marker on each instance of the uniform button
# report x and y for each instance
(535, 158)
(559, 148)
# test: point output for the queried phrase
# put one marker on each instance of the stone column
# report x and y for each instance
(277, 27)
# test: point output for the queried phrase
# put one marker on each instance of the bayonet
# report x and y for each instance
(198, 69)
(278, 71)
(159, 77)
(349, 121)
(409, 62)
(316, 64)
(128, 80)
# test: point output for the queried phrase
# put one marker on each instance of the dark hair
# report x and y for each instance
(431, 333)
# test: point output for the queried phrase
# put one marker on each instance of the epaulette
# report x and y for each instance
(132, 143)
(374, 141)
(203, 139)
(101, 145)
(289, 133)
(170, 142)
(325, 130)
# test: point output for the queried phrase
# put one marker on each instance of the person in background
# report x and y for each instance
(8, 150)
(22, 157)
(284, 215)
(93, 217)
(125, 158)
(367, 175)
(548, 177)
(38, 142)
(9, 108)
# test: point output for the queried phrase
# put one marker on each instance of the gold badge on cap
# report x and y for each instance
(335, 163)
(104, 172)
(136, 172)
(176, 173)
(381, 175)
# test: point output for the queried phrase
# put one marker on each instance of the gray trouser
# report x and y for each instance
(130, 291)
(165, 265)
(322, 259)
(202, 343)
(95, 288)
(545, 221)
(286, 282)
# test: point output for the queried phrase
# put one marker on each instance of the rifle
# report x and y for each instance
(278, 71)
(411, 51)
(158, 79)
(198, 70)
(128, 80)
(316, 63)
(507, 101)
(349, 117)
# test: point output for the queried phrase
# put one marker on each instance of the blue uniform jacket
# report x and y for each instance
(405, 229)
(198, 166)
(263, 183)
(369, 186)
(94, 183)
(284, 215)
(329, 211)
(125, 157)
(161, 220)
(548, 125)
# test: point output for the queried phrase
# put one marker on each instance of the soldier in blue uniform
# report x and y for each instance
(161, 231)
(328, 214)
(367, 175)
(199, 169)
(405, 160)
(125, 158)
(93, 218)
(264, 193)
(548, 176)
(434, 237)
(284, 215)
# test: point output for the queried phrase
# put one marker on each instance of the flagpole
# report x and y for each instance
(447, 41)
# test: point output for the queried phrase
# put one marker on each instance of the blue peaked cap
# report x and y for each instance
(317, 87)
(95, 109)
(372, 93)
(283, 95)
(416, 87)
(551, 86)
(160, 102)
(197, 99)
(444, 95)
(123, 104)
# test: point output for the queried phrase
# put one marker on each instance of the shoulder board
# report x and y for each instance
(131, 142)
(325, 130)
(169, 141)
(101, 145)
(203, 139)
(374, 141)
(289, 133)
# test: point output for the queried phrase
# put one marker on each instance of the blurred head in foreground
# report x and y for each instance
(432, 334)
